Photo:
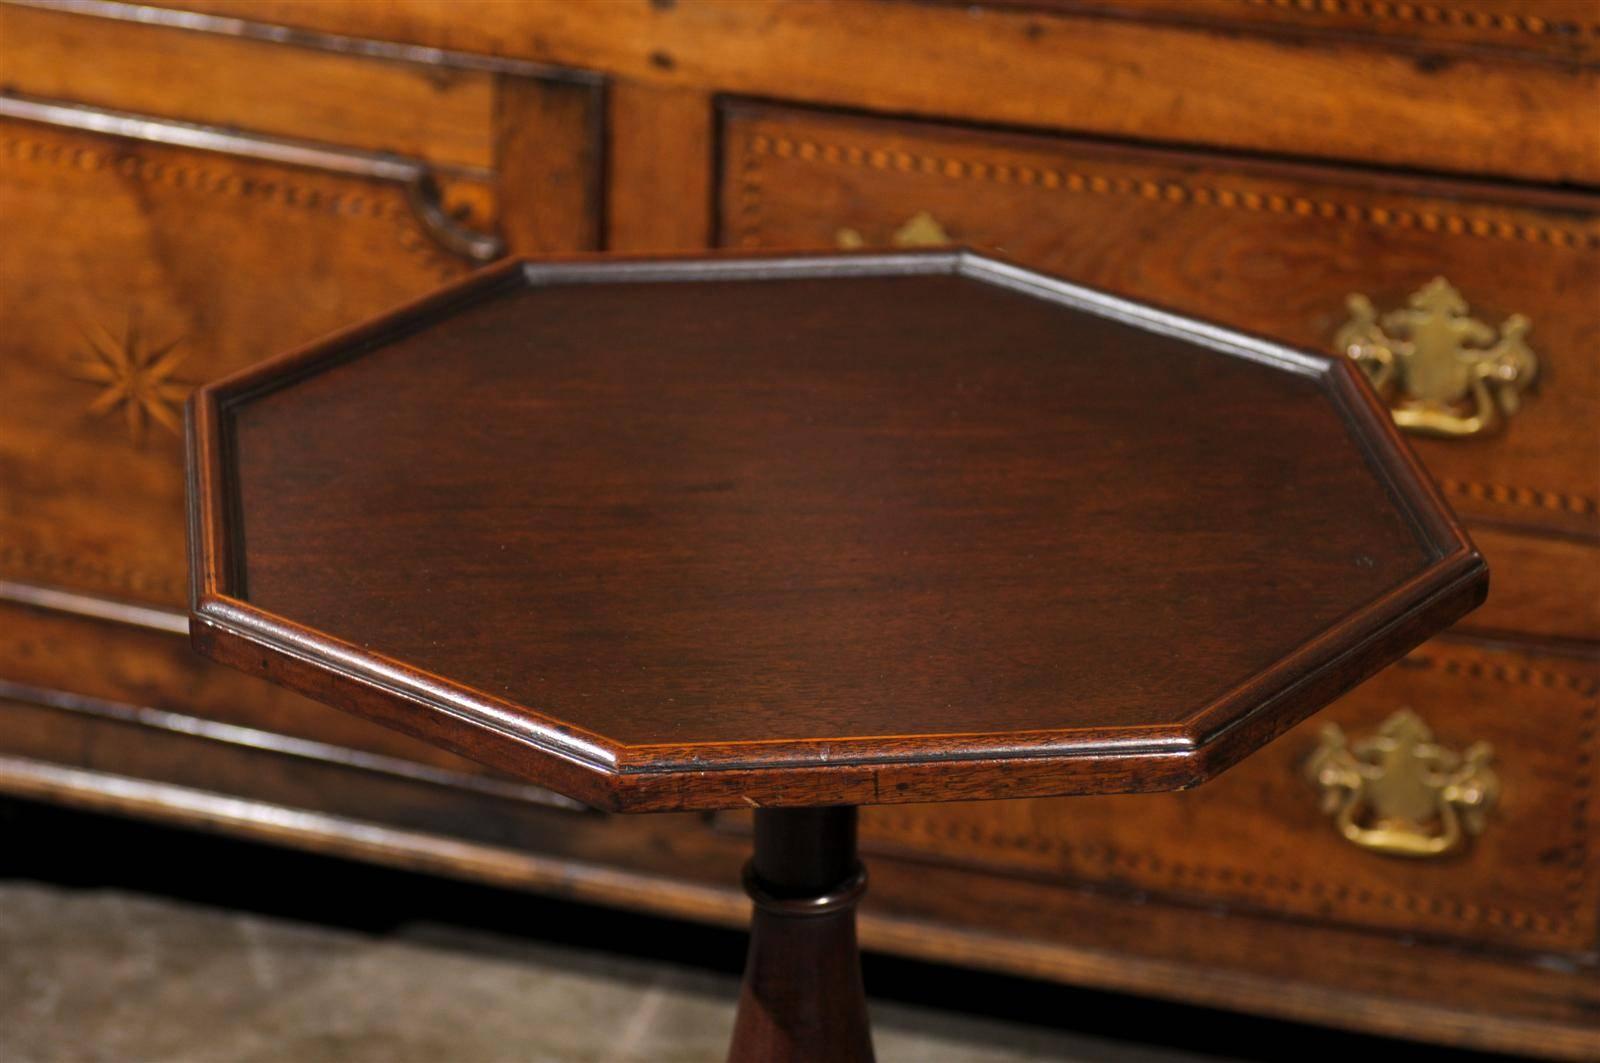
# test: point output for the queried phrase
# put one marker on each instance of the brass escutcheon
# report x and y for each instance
(1440, 371)
(920, 230)
(1399, 792)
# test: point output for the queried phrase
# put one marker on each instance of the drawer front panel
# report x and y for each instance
(533, 134)
(1270, 248)
(133, 271)
(443, 115)
(1544, 587)
(1259, 838)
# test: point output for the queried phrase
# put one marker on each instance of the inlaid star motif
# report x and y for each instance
(136, 377)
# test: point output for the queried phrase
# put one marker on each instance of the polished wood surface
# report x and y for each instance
(670, 535)
(1557, 29)
(1452, 106)
(1252, 163)
(778, 519)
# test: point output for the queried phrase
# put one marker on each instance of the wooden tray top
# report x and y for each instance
(714, 532)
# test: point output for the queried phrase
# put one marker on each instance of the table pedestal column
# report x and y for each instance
(802, 999)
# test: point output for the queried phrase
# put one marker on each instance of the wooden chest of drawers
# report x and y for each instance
(1304, 171)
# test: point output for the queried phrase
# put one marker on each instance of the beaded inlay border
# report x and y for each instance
(1433, 15)
(1506, 495)
(282, 193)
(1180, 875)
(1058, 179)
(101, 576)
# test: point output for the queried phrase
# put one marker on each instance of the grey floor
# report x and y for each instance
(108, 975)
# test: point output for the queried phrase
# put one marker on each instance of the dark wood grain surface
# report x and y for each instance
(1249, 163)
(763, 532)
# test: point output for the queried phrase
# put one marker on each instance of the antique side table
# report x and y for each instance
(800, 534)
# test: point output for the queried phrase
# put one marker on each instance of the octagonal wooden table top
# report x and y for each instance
(813, 530)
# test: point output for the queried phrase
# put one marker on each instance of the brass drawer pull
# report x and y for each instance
(1441, 371)
(1399, 792)
(920, 230)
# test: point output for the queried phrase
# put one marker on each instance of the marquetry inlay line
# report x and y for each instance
(1585, 691)
(281, 193)
(1583, 804)
(46, 565)
(1432, 14)
(1507, 495)
(1582, 686)
(749, 214)
(1166, 189)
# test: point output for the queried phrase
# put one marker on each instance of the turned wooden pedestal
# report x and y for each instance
(802, 534)
(802, 996)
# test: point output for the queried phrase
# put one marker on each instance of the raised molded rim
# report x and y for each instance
(857, 769)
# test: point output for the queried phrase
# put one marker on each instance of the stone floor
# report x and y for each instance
(106, 975)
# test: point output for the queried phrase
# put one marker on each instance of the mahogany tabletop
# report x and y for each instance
(710, 532)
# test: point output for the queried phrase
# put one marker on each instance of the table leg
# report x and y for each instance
(802, 1000)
